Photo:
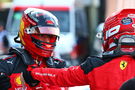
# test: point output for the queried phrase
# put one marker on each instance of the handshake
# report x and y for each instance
(26, 76)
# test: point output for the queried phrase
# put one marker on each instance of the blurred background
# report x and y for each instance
(80, 21)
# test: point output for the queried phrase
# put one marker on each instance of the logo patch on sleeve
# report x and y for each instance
(123, 65)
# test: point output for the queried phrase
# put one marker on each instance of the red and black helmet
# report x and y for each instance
(119, 32)
(39, 31)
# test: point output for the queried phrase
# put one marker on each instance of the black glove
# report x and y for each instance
(128, 85)
(29, 79)
(4, 82)
(59, 63)
(55, 63)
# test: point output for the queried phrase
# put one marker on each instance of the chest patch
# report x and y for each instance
(18, 80)
(123, 64)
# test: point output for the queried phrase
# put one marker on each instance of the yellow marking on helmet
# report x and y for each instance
(22, 27)
(21, 33)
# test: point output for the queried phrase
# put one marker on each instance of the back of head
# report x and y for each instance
(119, 33)
(39, 31)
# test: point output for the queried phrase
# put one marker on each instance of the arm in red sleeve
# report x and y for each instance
(72, 76)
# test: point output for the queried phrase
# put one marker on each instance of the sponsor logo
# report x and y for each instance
(133, 25)
(123, 65)
(112, 31)
(11, 62)
(126, 21)
(45, 74)
(20, 88)
(131, 15)
(18, 80)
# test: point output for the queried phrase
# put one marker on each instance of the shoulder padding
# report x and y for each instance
(26, 57)
(91, 63)
(6, 57)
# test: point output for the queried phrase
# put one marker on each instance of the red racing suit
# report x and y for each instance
(19, 61)
(109, 76)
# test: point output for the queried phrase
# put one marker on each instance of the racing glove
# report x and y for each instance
(129, 85)
(4, 82)
(55, 63)
(29, 79)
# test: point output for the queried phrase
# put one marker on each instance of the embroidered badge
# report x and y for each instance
(123, 65)
(18, 80)
(126, 21)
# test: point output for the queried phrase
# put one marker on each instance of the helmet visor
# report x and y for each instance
(44, 30)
